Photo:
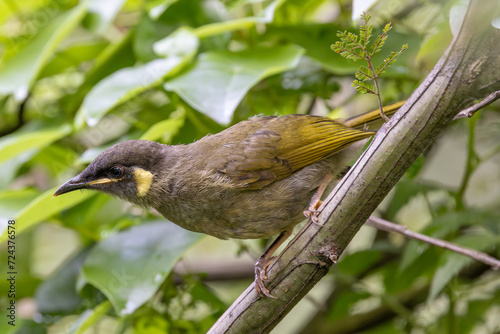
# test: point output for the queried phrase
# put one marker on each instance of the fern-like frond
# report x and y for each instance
(389, 61)
(346, 52)
(365, 31)
(380, 41)
(364, 73)
(354, 47)
(350, 40)
(363, 87)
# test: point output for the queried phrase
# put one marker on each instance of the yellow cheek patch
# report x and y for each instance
(143, 180)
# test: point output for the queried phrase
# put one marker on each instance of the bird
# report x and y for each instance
(255, 179)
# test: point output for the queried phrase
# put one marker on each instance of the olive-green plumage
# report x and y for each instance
(251, 180)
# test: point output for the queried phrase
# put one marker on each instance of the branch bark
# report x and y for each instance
(469, 112)
(388, 226)
(469, 70)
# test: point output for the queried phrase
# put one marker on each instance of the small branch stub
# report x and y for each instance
(469, 112)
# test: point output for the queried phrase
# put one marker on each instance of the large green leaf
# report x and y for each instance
(317, 38)
(9, 168)
(43, 207)
(404, 191)
(451, 263)
(58, 294)
(357, 263)
(147, 33)
(220, 79)
(114, 57)
(165, 130)
(441, 227)
(123, 85)
(266, 16)
(11, 202)
(130, 266)
(126, 83)
(73, 56)
(181, 43)
(24, 140)
(89, 318)
(18, 73)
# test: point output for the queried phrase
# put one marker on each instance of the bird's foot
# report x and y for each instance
(261, 276)
(313, 212)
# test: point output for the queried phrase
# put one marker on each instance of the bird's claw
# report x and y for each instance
(313, 212)
(261, 276)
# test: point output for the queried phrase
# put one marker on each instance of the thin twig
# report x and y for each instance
(385, 225)
(469, 112)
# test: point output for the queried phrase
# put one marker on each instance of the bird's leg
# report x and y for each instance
(264, 261)
(312, 211)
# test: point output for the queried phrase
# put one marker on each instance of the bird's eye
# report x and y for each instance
(116, 171)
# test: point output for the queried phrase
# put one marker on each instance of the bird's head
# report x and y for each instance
(126, 170)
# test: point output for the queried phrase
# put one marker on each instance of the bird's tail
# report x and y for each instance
(367, 119)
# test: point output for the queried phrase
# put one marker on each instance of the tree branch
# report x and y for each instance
(467, 71)
(469, 112)
(387, 226)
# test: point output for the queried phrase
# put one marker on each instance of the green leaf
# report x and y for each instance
(357, 263)
(57, 158)
(157, 7)
(114, 57)
(89, 318)
(102, 13)
(390, 60)
(365, 31)
(220, 79)
(57, 294)
(24, 140)
(439, 228)
(425, 265)
(130, 266)
(73, 56)
(434, 46)
(380, 41)
(363, 87)
(12, 201)
(153, 323)
(125, 84)
(165, 130)
(342, 50)
(314, 38)
(364, 73)
(344, 302)
(18, 73)
(146, 34)
(9, 168)
(218, 28)
(451, 263)
(404, 191)
(182, 42)
(212, 29)
(43, 207)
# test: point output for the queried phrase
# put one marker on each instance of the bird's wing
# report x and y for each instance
(273, 148)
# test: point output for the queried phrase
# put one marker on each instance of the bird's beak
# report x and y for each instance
(77, 183)
(73, 184)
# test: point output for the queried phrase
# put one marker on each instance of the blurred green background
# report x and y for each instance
(79, 76)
